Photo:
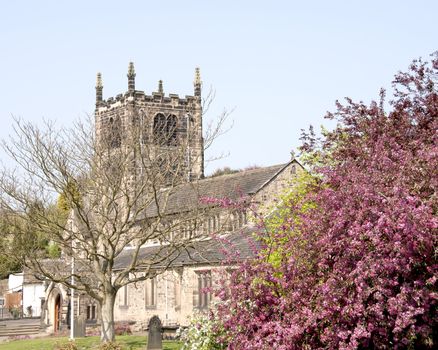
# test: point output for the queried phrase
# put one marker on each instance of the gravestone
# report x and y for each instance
(154, 334)
(79, 330)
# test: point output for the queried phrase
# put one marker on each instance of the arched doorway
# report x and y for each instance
(57, 315)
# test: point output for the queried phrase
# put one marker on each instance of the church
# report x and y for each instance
(180, 287)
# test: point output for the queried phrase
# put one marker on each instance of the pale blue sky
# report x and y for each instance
(280, 64)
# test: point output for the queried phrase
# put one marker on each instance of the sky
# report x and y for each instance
(277, 65)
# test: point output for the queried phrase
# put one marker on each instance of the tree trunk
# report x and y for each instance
(107, 318)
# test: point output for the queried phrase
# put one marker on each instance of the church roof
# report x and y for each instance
(234, 246)
(231, 186)
(187, 197)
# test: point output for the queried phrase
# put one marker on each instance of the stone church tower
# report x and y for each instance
(162, 123)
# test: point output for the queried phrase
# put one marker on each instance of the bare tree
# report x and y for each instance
(94, 193)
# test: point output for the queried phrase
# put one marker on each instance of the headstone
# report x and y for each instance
(154, 335)
(43, 312)
(79, 330)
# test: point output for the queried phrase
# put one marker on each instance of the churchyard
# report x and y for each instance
(129, 342)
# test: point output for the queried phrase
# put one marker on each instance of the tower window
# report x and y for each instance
(159, 128)
(113, 133)
(165, 129)
(171, 129)
(141, 122)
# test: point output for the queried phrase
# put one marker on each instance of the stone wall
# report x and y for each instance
(176, 297)
(268, 197)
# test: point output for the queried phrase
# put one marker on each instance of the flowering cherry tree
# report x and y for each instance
(355, 255)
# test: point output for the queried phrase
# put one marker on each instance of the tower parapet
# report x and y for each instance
(170, 101)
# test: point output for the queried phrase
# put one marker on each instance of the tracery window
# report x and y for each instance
(165, 129)
(171, 129)
(113, 132)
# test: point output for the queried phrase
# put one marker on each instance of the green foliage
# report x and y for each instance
(53, 250)
(284, 220)
(9, 263)
(30, 232)
(69, 198)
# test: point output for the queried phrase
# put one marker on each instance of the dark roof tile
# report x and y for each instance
(237, 245)
(232, 186)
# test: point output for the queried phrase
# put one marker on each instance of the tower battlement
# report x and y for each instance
(169, 101)
(133, 95)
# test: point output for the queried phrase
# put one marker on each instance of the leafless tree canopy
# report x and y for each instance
(90, 191)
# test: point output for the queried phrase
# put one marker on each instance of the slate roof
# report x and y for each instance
(31, 278)
(232, 186)
(237, 245)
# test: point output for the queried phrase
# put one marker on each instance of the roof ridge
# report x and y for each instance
(240, 172)
(186, 196)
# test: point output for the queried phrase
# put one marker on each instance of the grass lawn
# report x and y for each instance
(130, 342)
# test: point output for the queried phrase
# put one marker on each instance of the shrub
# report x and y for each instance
(71, 345)
(15, 312)
(122, 329)
(205, 332)
(110, 346)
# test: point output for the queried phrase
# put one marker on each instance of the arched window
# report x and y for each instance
(141, 122)
(293, 169)
(159, 129)
(185, 121)
(171, 129)
(166, 169)
(113, 132)
(165, 129)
